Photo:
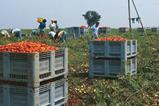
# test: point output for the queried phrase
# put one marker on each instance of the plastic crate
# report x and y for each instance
(70, 34)
(123, 29)
(51, 94)
(1, 96)
(34, 68)
(154, 29)
(140, 30)
(104, 30)
(112, 67)
(113, 49)
(83, 31)
(77, 32)
(1, 66)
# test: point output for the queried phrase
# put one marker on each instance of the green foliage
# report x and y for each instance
(92, 17)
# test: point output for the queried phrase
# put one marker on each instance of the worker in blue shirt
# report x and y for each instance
(42, 27)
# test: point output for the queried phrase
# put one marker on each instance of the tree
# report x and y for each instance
(92, 17)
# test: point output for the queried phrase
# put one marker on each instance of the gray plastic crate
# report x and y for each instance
(1, 66)
(73, 33)
(140, 30)
(83, 31)
(155, 29)
(69, 34)
(35, 67)
(123, 29)
(104, 30)
(51, 94)
(1, 95)
(112, 68)
(113, 49)
(77, 32)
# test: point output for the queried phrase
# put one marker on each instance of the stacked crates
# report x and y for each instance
(34, 79)
(112, 58)
(50, 94)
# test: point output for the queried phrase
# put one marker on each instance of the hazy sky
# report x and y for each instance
(23, 13)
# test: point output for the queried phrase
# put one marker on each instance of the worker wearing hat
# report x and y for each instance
(42, 26)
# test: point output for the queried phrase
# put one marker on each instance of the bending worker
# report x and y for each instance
(58, 36)
(17, 33)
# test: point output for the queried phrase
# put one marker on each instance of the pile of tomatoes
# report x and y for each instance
(26, 47)
(119, 39)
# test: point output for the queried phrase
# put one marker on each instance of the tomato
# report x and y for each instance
(120, 39)
(26, 47)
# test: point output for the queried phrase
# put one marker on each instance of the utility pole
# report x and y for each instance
(138, 16)
(129, 15)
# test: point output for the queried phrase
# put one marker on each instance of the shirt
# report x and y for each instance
(42, 25)
(52, 25)
(60, 34)
(16, 30)
(94, 29)
(52, 34)
(5, 33)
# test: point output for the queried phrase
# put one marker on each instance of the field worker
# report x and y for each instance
(94, 29)
(57, 27)
(52, 26)
(34, 32)
(5, 33)
(17, 33)
(52, 34)
(60, 36)
(42, 26)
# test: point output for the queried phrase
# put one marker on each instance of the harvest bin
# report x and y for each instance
(104, 30)
(73, 33)
(112, 49)
(123, 29)
(51, 94)
(112, 67)
(33, 68)
(155, 29)
(140, 29)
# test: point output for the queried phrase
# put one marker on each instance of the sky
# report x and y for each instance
(114, 13)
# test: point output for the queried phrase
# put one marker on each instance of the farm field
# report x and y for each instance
(139, 90)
